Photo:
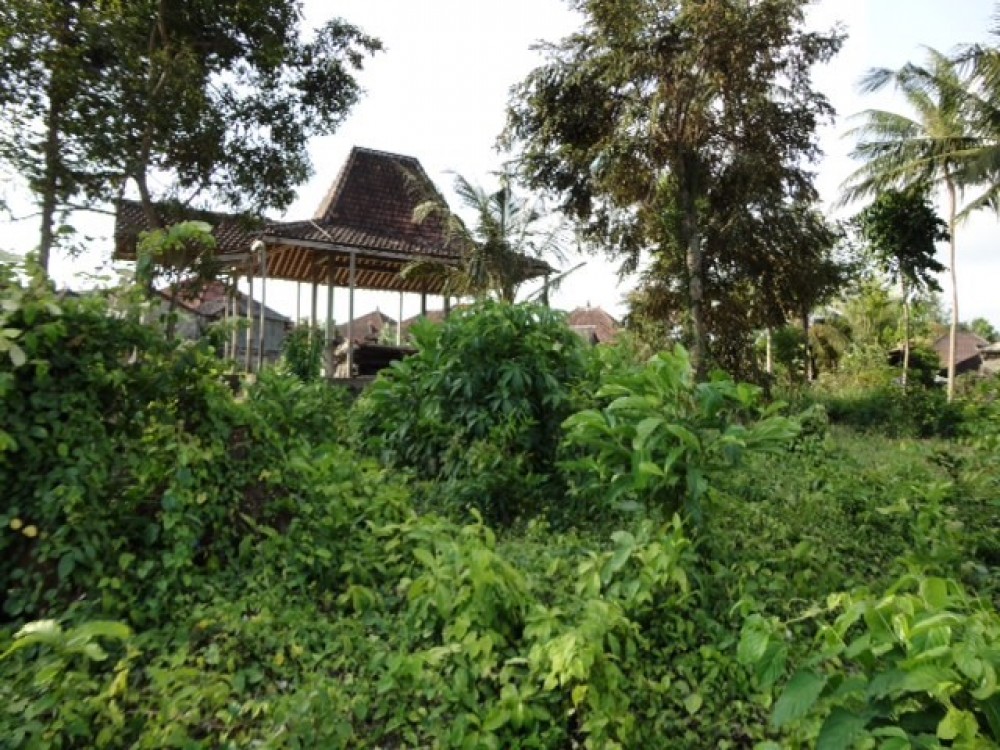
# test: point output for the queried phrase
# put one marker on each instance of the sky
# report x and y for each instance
(439, 92)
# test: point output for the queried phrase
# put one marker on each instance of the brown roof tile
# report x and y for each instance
(594, 322)
(967, 347)
(233, 232)
(367, 327)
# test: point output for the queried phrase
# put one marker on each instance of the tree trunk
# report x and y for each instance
(953, 333)
(52, 149)
(906, 332)
(50, 184)
(695, 262)
(807, 352)
(769, 356)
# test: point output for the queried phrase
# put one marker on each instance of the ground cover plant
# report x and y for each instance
(193, 566)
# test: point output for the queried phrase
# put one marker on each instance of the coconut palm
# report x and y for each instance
(505, 246)
(938, 144)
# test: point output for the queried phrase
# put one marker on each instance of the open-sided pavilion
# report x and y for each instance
(362, 237)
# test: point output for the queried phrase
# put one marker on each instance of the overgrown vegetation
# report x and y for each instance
(194, 567)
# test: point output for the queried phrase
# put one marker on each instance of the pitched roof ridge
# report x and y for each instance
(337, 186)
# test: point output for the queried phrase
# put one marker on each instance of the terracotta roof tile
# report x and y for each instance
(367, 327)
(593, 321)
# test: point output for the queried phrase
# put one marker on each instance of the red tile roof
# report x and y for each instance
(593, 321)
(368, 327)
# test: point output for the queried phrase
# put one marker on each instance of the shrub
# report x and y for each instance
(916, 667)
(303, 352)
(660, 436)
(488, 388)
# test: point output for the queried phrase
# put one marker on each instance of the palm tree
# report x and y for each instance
(937, 145)
(505, 247)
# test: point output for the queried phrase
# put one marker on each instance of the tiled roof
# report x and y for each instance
(368, 209)
(967, 347)
(368, 327)
(211, 301)
(373, 200)
(233, 232)
(595, 322)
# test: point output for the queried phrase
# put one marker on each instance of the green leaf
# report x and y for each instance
(772, 665)
(957, 724)
(935, 592)
(840, 730)
(991, 710)
(693, 703)
(66, 565)
(798, 697)
(643, 431)
(753, 640)
(16, 354)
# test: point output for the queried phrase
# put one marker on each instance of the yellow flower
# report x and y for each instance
(16, 523)
(30, 531)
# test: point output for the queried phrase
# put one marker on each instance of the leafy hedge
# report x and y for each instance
(480, 406)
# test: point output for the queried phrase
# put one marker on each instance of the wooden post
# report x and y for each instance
(298, 302)
(545, 291)
(249, 361)
(263, 303)
(350, 319)
(329, 300)
(423, 304)
(399, 322)
(447, 306)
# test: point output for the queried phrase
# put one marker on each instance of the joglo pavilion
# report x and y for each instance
(362, 236)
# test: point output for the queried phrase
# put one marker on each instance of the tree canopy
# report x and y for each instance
(217, 100)
(678, 127)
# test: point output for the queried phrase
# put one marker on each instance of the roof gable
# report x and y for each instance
(377, 192)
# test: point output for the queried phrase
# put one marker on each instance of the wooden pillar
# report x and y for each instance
(315, 298)
(423, 303)
(447, 305)
(329, 300)
(350, 319)
(298, 302)
(249, 338)
(545, 291)
(399, 322)
(263, 303)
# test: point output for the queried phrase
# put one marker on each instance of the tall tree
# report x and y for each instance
(937, 145)
(53, 94)
(664, 122)
(215, 98)
(901, 228)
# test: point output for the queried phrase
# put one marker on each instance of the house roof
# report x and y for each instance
(594, 323)
(233, 232)
(211, 300)
(968, 346)
(366, 327)
(367, 213)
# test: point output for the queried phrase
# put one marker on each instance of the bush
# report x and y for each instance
(660, 436)
(489, 388)
(890, 410)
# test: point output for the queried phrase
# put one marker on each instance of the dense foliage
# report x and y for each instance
(198, 567)
(480, 405)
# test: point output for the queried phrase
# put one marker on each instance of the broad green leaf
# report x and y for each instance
(798, 697)
(693, 703)
(935, 591)
(957, 724)
(643, 431)
(753, 640)
(841, 730)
